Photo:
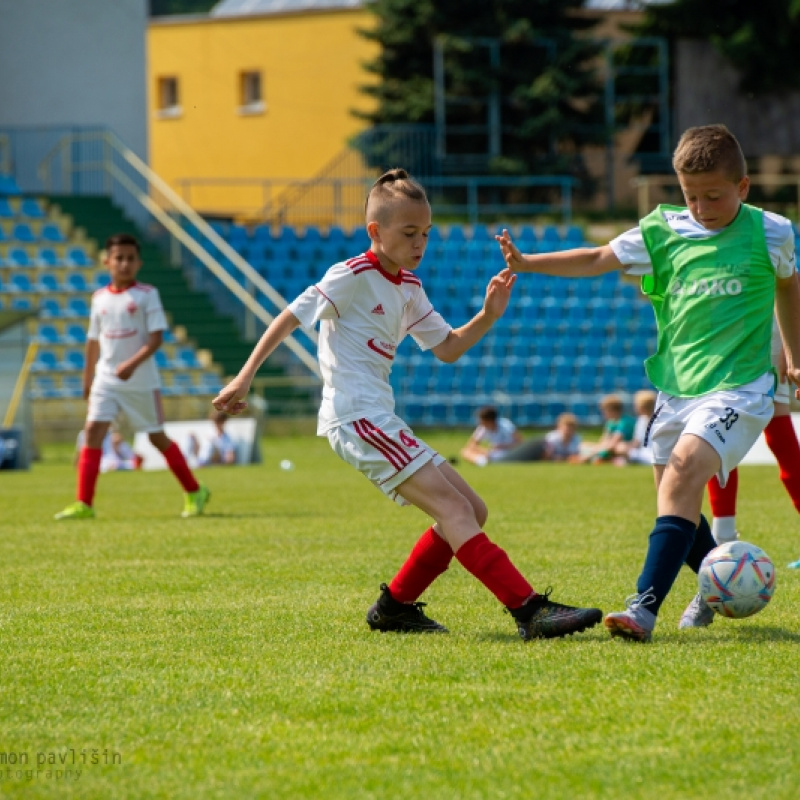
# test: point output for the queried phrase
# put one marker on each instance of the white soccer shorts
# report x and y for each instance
(384, 449)
(730, 421)
(143, 409)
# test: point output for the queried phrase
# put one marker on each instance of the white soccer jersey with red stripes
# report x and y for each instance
(122, 320)
(364, 314)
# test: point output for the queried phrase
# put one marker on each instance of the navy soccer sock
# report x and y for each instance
(670, 543)
(703, 544)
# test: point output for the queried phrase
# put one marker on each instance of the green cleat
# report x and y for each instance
(78, 510)
(195, 502)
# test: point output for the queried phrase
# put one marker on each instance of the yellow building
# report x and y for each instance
(253, 94)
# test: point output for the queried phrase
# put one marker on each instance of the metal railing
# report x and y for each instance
(100, 159)
(321, 202)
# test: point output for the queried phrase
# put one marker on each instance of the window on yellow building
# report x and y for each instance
(251, 98)
(168, 97)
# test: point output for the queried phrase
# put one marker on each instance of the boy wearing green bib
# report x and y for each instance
(715, 272)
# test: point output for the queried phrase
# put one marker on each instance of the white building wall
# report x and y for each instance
(75, 63)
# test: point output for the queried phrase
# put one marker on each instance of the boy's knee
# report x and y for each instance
(481, 512)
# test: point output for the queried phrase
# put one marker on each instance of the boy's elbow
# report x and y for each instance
(446, 355)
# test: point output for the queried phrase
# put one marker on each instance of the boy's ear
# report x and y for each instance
(373, 229)
(744, 188)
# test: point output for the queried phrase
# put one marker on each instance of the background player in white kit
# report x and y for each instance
(366, 306)
(125, 329)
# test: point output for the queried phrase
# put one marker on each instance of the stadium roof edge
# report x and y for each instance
(246, 8)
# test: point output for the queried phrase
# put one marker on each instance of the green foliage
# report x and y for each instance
(545, 81)
(159, 8)
(228, 657)
(759, 39)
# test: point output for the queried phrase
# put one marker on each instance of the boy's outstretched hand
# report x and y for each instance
(231, 398)
(498, 293)
(511, 253)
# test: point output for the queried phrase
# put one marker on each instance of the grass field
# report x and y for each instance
(146, 656)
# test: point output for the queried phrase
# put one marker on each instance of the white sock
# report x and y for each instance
(723, 529)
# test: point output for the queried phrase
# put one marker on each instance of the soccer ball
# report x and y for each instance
(737, 579)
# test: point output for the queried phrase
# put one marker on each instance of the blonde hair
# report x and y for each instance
(644, 402)
(566, 417)
(392, 188)
(612, 402)
(707, 148)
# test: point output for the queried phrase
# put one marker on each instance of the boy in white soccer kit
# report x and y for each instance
(125, 329)
(715, 273)
(366, 306)
(355, 357)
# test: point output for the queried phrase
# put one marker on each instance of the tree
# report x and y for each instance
(527, 64)
(759, 39)
(159, 8)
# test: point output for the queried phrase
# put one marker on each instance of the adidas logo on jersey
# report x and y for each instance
(378, 309)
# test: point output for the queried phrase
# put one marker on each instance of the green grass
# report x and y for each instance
(228, 656)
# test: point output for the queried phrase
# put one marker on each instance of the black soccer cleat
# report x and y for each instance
(387, 614)
(541, 618)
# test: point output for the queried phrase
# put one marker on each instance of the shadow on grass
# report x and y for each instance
(723, 634)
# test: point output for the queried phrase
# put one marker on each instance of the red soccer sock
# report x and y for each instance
(782, 440)
(723, 501)
(493, 568)
(177, 463)
(88, 470)
(428, 560)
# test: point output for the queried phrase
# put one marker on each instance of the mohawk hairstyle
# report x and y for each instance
(393, 186)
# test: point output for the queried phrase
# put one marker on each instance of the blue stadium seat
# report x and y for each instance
(21, 304)
(573, 237)
(75, 334)
(187, 357)
(44, 386)
(45, 361)
(641, 347)
(71, 386)
(551, 239)
(76, 307)
(337, 235)
(19, 282)
(6, 211)
(52, 233)
(18, 257)
(78, 257)
(75, 282)
(73, 360)
(49, 308)
(456, 234)
(31, 207)
(287, 234)
(210, 383)
(526, 239)
(23, 232)
(262, 233)
(47, 282)
(480, 233)
(162, 360)
(182, 383)
(101, 280)
(47, 257)
(47, 334)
